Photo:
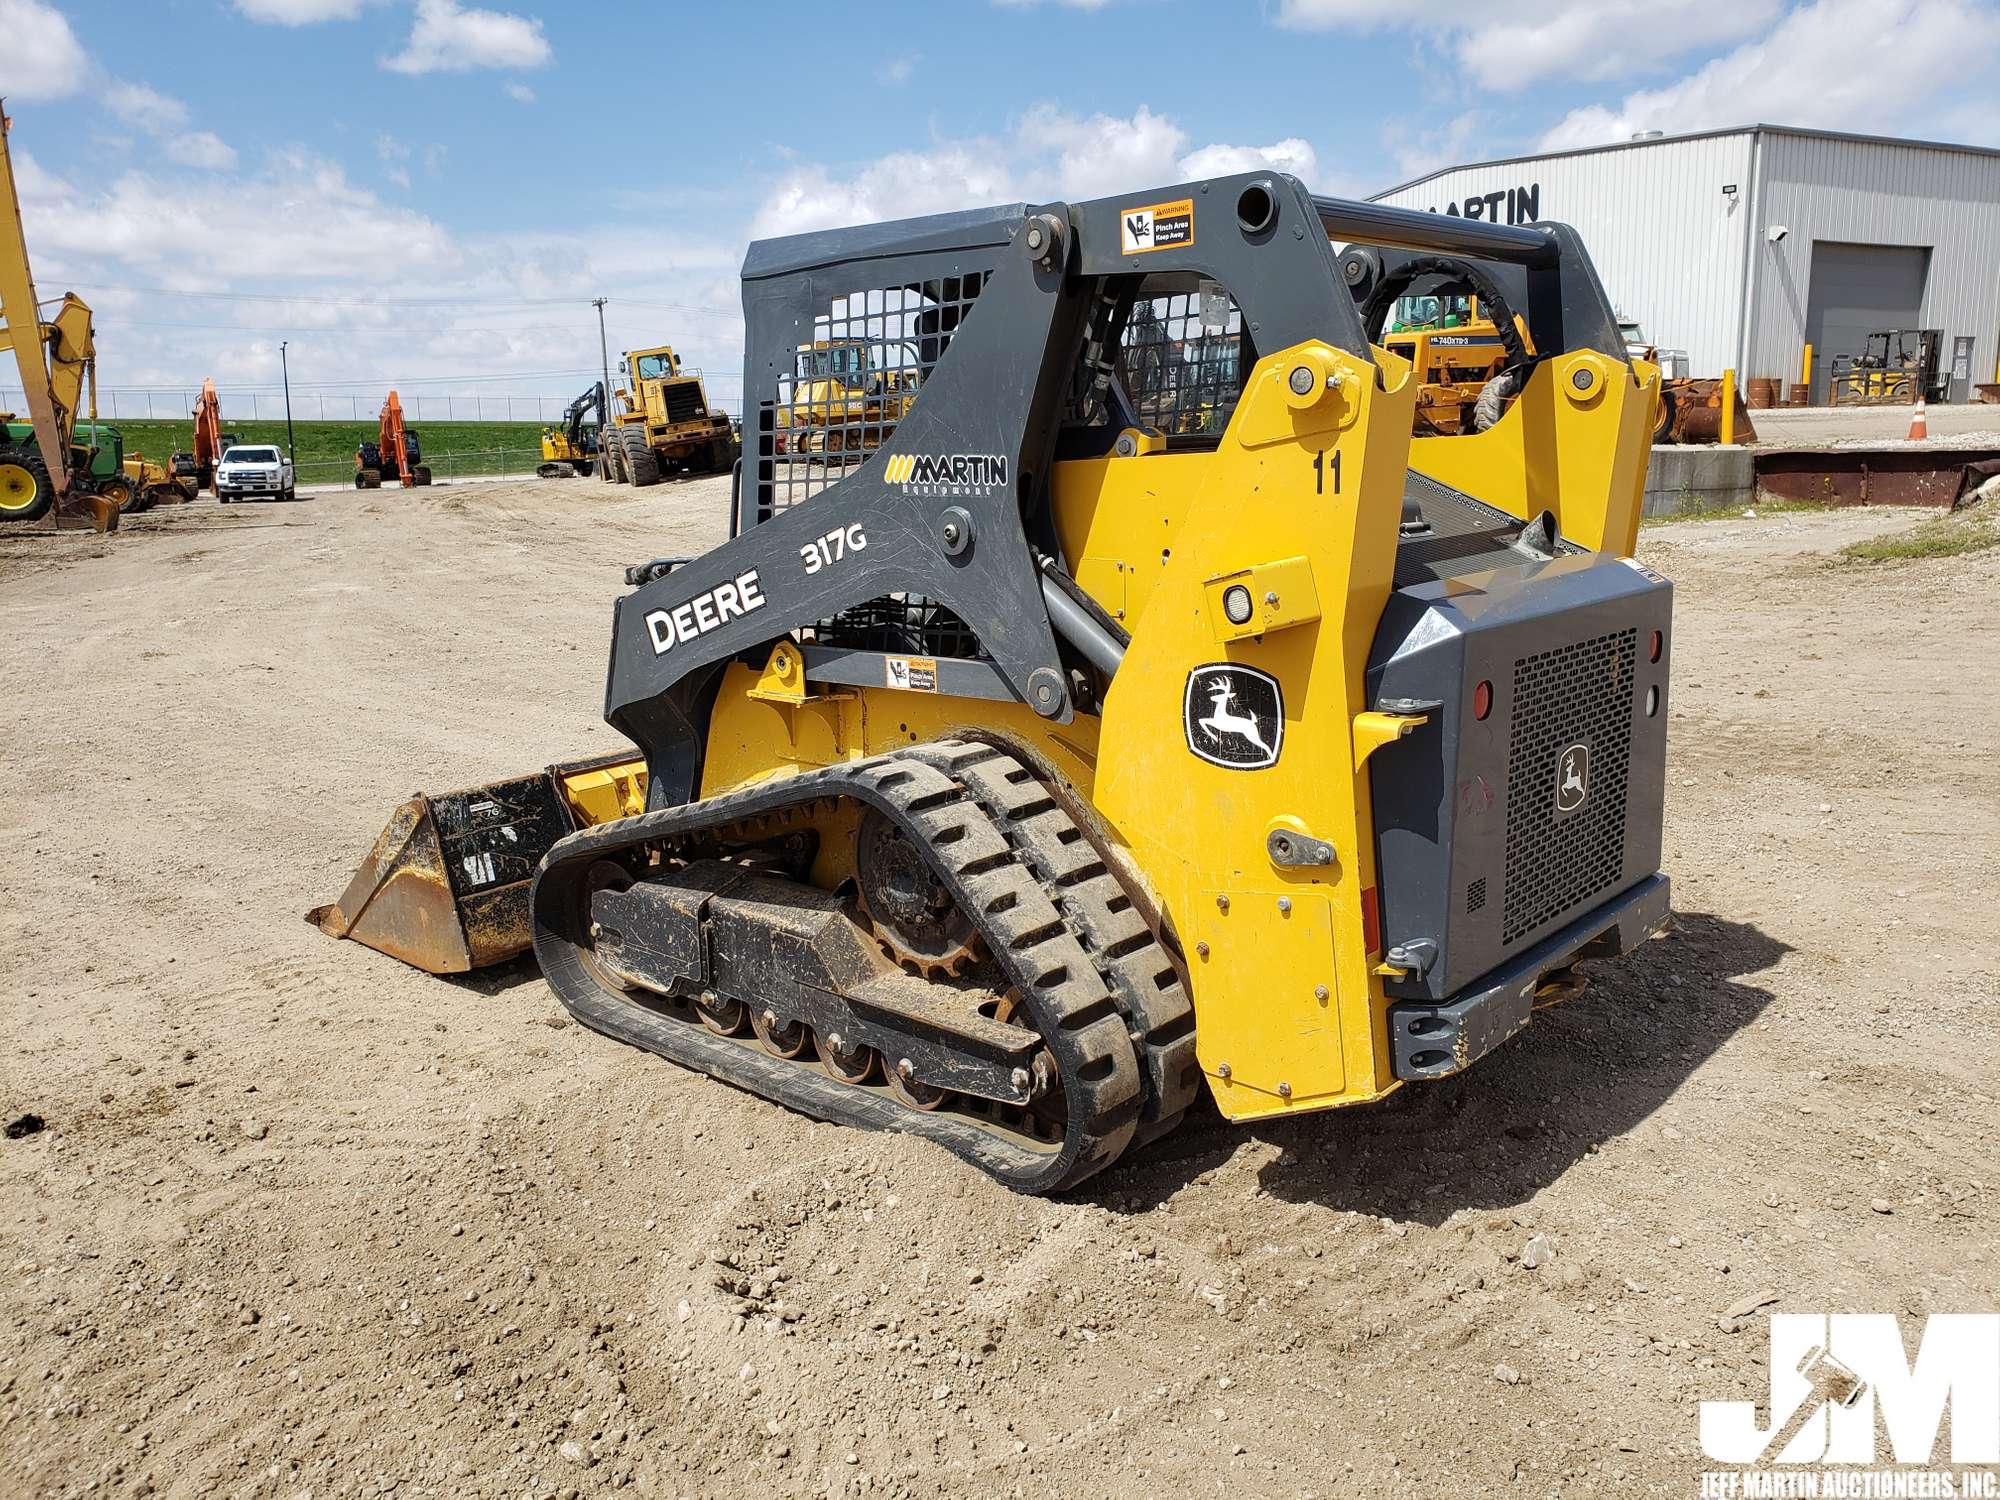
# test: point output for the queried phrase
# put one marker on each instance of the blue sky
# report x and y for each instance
(429, 192)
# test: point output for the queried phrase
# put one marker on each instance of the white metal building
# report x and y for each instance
(1742, 246)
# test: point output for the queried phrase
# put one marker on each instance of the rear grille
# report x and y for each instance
(683, 402)
(1579, 694)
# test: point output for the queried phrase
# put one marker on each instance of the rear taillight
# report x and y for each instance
(1482, 700)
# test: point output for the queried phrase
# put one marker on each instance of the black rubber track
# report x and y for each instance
(1144, 983)
(1040, 953)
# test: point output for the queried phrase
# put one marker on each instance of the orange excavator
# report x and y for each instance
(210, 441)
(395, 453)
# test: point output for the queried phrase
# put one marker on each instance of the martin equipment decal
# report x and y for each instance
(1572, 779)
(913, 674)
(704, 612)
(1514, 205)
(1234, 716)
(1161, 226)
(938, 474)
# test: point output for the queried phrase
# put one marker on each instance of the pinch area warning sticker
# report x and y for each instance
(913, 674)
(1161, 226)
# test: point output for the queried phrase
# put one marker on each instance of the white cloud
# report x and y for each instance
(202, 148)
(145, 108)
(1101, 154)
(1829, 64)
(271, 222)
(1585, 39)
(1046, 155)
(395, 159)
(299, 12)
(453, 38)
(901, 184)
(1327, 15)
(1597, 39)
(1416, 152)
(897, 70)
(519, 92)
(268, 231)
(1289, 155)
(165, 118)
(40, 57)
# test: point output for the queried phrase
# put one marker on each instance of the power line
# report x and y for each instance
(321, 301)
(342, 330)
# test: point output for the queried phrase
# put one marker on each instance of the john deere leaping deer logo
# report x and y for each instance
(1572, 778)
(1235, 716)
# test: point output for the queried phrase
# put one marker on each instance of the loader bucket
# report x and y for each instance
(1698, 414)
(445, 887)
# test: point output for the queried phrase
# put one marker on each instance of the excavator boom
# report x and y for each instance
(53, 359)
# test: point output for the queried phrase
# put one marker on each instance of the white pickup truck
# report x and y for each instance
(249, 469)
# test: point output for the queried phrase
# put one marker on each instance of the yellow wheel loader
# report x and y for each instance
(667, 426)
(847, 396)
(1456, 347)
(1058, 764)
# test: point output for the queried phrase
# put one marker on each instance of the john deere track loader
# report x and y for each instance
(1053, 765)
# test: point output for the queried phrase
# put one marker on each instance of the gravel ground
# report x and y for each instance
(1974, 424)
(303, 1220)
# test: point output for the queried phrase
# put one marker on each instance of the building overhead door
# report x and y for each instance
(1857, 290)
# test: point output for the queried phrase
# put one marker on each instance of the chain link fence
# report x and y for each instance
(447, 463)
(165, 404)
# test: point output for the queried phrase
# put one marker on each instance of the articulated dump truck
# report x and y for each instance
(1058, 763)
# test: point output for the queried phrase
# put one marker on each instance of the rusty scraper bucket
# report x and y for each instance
(446, 886)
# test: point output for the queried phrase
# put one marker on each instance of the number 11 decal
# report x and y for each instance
(1322, 469)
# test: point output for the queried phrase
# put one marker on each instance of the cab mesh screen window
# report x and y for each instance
(1181, 356)
(852, 383)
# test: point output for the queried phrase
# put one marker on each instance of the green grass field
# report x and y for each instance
(326, 449)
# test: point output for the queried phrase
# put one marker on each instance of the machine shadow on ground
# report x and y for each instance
(498, 979)
(1581, 1074)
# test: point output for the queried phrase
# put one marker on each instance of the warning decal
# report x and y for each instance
(913, 674)
(1162, 226)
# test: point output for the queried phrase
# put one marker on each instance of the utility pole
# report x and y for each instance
(291, 439)
(604, 352)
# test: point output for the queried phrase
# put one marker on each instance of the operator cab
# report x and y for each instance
(655, 364)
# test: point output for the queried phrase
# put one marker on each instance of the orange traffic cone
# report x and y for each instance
(1919, 429)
